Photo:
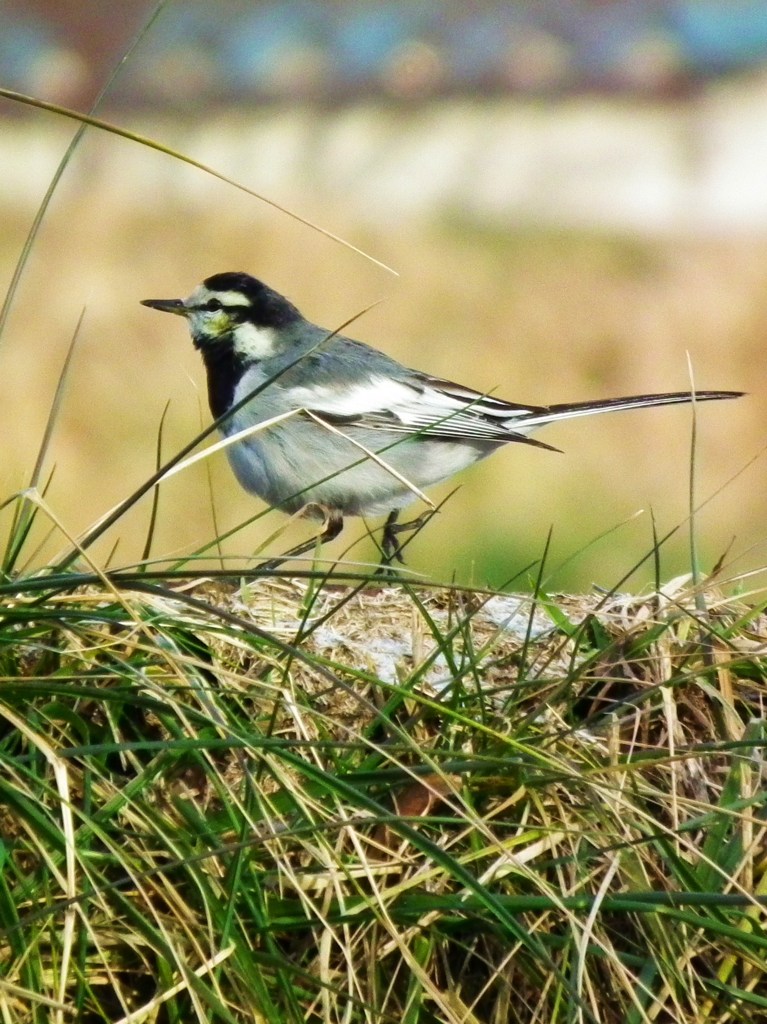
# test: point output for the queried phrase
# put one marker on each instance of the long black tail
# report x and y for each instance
(569, 410)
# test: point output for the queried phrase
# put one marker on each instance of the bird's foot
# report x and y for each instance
(334, 523)
(391, 546)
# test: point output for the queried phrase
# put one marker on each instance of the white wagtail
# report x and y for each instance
(355, 432)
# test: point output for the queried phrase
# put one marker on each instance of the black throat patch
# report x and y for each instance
(224, 370)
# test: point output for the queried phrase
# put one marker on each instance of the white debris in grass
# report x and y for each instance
(512, 614)
(384, 633)
(390, 659)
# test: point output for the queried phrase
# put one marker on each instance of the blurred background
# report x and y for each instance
(573, 194)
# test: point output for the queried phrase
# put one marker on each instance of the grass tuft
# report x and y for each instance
(287, 800)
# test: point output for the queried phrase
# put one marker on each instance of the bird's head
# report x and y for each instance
(234, 311)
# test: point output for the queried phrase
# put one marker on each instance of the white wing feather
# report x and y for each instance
(431, 406)
(428, 405)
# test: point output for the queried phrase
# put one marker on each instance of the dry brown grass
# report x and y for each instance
(541, 318)
(380, 803)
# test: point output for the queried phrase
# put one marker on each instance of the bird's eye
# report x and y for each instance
(212, 306)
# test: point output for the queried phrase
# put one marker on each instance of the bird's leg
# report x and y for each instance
(391, 546)
(334, 523)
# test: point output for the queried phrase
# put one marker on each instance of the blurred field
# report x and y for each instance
(540, 317)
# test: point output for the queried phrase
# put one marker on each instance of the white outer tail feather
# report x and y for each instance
(524, 422)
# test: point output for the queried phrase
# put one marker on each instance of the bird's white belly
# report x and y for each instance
(299, 462)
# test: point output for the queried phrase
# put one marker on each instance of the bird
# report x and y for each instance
(346, 429)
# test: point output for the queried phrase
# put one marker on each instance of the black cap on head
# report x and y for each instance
(267, 307)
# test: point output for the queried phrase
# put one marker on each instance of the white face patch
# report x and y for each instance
(201, 295)
(207, 324)
(255, 342)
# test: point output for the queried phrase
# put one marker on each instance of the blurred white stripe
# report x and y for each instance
(696, 167)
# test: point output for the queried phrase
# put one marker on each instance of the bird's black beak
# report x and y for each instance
(167, 305)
